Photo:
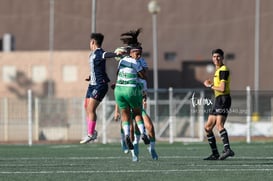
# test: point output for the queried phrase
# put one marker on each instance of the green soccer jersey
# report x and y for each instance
(128, 92)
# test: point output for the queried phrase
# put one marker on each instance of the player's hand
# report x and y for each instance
(120, 52)
(208, 83)
(144, 99)
(113, 85)
(116, 116)
(144, 96)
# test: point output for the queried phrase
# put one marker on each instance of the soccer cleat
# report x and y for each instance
(124, 147)
(153, 154)
(129, 143)
(145, 139)
(212, 157)
(89, 138)
(136, 150)
(226, 153)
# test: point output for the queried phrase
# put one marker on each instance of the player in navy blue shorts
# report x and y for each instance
(98, 83)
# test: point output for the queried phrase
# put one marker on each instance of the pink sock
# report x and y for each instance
(91, 127)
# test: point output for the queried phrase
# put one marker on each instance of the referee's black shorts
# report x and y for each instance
(221, 105)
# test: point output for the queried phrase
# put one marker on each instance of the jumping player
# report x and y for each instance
(128, 95)
(147, 120)
(129, 39)
(98, 85)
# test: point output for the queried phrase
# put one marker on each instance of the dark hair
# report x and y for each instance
(98, 37)
(219, 51)
(130, 38)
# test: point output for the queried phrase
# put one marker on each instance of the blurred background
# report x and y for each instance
(44, 49)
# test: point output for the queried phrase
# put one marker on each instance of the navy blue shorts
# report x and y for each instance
(97, 91)
(221, 105)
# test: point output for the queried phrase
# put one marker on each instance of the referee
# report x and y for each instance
(219, 113)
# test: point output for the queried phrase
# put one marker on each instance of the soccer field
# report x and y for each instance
(178, 161)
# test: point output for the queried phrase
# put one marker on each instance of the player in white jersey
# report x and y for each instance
(146, 118)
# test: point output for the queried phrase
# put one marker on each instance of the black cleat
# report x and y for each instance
(226, 153)
(129, 143)
(213, 157)
(145, 139)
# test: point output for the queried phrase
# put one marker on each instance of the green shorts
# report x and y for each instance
(128, 97)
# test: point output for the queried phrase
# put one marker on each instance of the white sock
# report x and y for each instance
(126, 129)
(141, 127)
(136, 140)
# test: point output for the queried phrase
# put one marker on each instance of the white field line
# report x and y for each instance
(139, 171)
(125, 157)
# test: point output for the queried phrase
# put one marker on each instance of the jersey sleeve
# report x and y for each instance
(137, 66)
(143, 63)
(109, 55)
(224, 74)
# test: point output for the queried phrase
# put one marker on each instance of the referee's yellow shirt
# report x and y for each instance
(222, 75)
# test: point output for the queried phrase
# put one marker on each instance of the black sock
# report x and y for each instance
(224, 137)
(212, 143)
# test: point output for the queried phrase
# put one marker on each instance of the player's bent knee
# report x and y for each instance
(208, 130)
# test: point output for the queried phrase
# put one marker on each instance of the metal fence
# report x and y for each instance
(181, 117)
